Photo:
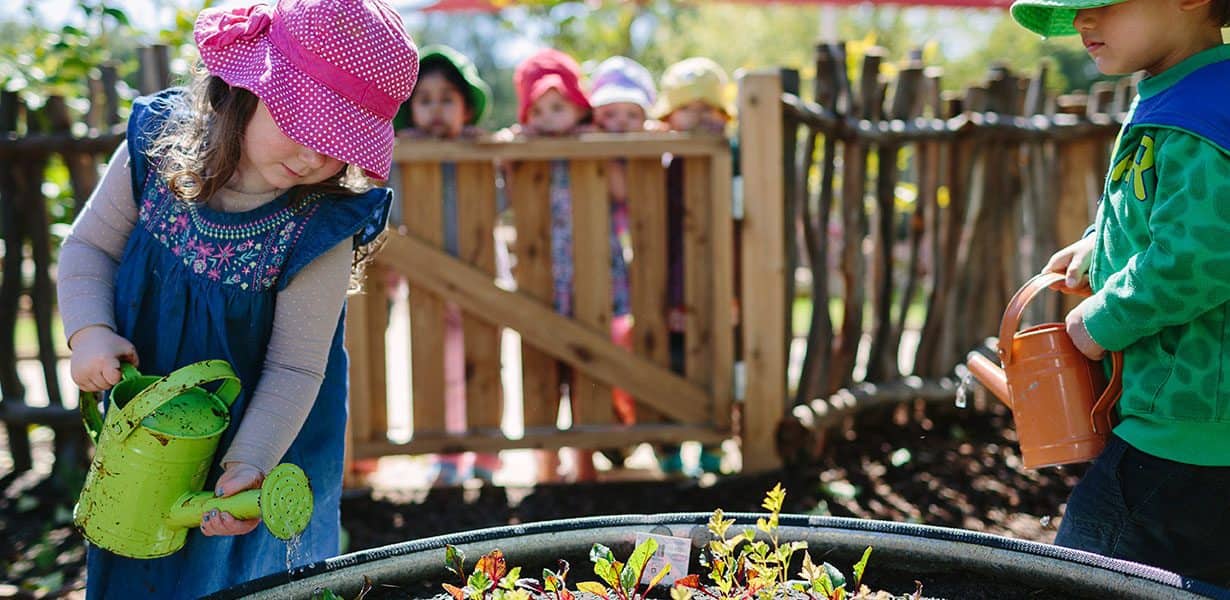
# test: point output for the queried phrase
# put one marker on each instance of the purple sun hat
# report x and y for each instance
(331, 72)
(621, 79)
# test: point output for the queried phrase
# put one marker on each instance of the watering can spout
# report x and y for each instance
(989, 375)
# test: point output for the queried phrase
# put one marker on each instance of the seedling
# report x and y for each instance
(622, 579)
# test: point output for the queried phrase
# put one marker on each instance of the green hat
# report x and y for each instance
(1052, 18)
(477, 91)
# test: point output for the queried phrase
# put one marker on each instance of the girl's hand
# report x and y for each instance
(95, 361)
(1073, 262)
(1075, 325)
(236, 478)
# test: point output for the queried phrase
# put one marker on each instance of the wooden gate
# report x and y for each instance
(672, 407)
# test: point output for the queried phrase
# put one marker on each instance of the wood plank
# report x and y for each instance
(563, 338)
(586, 146)
(476, 216)
(358, 425)
(698, 270)
(529, 194)
(424, 216)
(647, 272)
(764, 320)
(591, 245)
(375, 298)
(584, 436)
(723, 291)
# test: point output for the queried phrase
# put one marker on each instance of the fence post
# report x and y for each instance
(765, 322)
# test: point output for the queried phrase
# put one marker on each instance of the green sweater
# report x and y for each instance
(1161, 263)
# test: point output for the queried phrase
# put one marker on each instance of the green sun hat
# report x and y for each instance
(1052, 18)
(477, 92)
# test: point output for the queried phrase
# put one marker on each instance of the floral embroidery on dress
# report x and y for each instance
(248, 255)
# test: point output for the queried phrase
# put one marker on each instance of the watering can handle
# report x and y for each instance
(89, 404)
(1100, 415)
(167, 388)
(1016, 306)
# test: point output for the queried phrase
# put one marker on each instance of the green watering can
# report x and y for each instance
(153, 453)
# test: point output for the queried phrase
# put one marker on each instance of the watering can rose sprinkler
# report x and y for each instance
(142, 492)
(1061, 401)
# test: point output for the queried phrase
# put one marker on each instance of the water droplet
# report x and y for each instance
(1045, 521)
(963, 391)
(294, 547)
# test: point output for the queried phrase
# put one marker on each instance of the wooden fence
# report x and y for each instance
(1001, 176)
(920, 214)
(29, 139)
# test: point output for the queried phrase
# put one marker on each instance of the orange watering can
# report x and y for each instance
(1060, 400)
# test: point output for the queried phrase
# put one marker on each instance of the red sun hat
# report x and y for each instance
(546, 70)
(331, 72)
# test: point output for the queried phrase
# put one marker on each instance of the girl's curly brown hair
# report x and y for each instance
(199, 146)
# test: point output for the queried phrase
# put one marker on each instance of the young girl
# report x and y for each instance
(694, 97)
(228, 227)
(622, 93)
(448, 101)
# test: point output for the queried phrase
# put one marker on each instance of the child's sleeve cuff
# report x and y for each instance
(1104, 326)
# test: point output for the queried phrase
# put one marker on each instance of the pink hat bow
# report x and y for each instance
(221, 28)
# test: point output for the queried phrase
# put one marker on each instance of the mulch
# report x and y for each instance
(931, 464)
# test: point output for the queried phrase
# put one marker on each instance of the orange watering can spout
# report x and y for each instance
(990, 375)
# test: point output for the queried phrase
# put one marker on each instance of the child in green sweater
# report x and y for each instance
(1158, 264)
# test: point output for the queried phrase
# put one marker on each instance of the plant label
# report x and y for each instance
(673, 551)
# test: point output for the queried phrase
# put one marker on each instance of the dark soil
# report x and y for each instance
(937, 465)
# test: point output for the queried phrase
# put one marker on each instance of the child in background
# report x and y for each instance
(552, 102)
(622, 93)
(1158, 263)
(448, 101)
(694, 97)
(230, 226)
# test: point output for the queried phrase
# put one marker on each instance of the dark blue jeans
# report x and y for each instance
(1139, 507)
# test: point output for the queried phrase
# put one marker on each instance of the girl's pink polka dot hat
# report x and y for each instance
(332, 72)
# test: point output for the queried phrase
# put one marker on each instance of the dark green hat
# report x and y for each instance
(1052, 18)
(478, 91)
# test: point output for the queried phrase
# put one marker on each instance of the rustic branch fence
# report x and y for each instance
(915, 276)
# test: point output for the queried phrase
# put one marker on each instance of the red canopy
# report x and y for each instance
(494, 5)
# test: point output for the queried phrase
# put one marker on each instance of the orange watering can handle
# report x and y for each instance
(167, 388)
(1100, 415)
(1016, 306)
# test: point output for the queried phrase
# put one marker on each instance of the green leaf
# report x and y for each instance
(600, 552)
(604, 570)
(479, 581)
(859, 567)
(774, 499)
(592, 587)
(325, 594)
(661, 574)
(835, 575)
(119, 15)
(640, 556)
(454, 560)
(680, 593)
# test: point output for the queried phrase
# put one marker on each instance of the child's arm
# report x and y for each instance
(1185, 269)
(305, 319)
(86, 278)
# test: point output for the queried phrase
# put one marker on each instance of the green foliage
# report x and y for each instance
(490, 580)
(622, 579)
(743, 567)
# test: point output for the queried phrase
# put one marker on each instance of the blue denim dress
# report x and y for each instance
(198, 284)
